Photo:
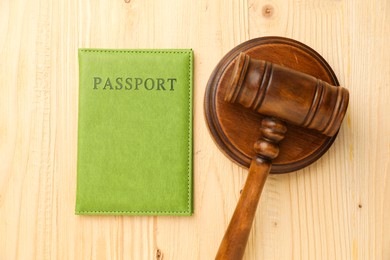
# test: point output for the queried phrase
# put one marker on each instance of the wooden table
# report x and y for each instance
(338, 208)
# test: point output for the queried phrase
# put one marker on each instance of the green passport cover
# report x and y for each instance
(135, 132)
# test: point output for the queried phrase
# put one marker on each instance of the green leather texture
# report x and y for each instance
(135, 132)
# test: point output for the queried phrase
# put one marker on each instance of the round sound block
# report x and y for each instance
(235, 128)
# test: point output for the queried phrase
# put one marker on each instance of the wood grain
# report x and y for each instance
(338, 208)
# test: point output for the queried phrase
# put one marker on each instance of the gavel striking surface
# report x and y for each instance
(235, 128)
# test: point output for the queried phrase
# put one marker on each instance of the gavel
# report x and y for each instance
(282, 95)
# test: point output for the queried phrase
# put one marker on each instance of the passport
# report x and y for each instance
(134, 151)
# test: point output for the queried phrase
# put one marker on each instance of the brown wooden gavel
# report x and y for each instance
(284, 95)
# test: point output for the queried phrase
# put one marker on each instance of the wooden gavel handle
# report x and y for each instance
(236, 236)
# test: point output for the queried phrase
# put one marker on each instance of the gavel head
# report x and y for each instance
(289, 95)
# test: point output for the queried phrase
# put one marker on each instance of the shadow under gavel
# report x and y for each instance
(283, 95)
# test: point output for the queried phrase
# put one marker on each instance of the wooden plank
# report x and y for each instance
(336, 208)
